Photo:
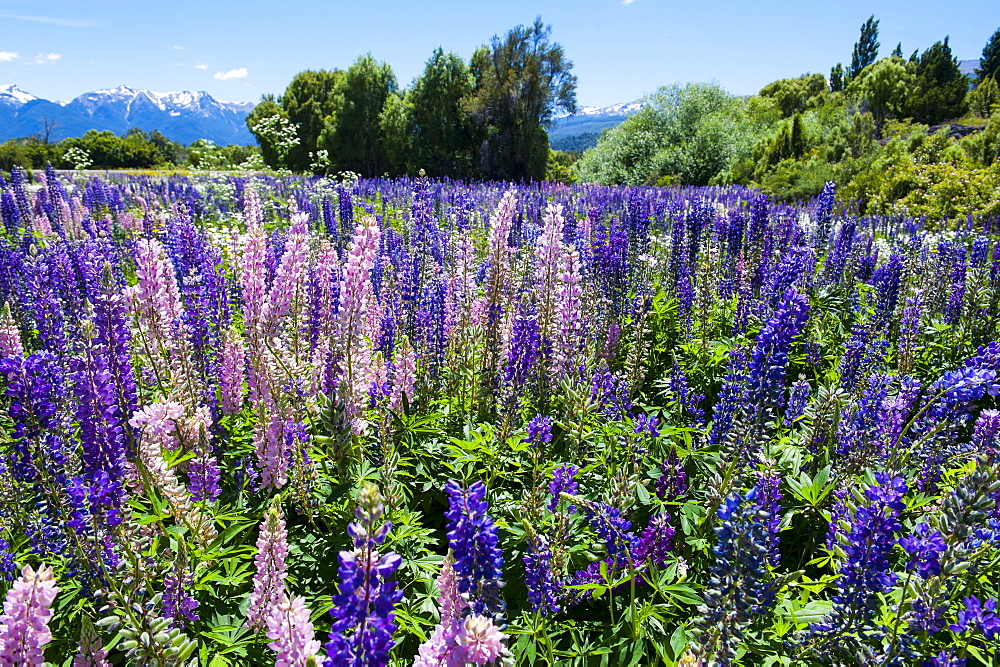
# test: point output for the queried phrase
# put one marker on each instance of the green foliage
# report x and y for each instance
(985, 96)
(865, 49)
(442, 133)
(796, 95)
(837, 78)
(263, 121)
(108, 151)
(884, 88)
(521, 81)
(941, 86)
(694, 133)
(984, 147)
(559, 166)
(989, 63)
(307, 102)
(353, 133)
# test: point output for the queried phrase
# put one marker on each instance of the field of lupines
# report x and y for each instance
(295, 422)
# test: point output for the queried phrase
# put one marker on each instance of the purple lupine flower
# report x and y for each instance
(984, 436)
(567, 331)
(672, 482)
(178, 603)
(798, 399)
(865, 574)
(474, 543)
(563, 481)
(646, 424)
(524, 351)
(543, 586)
(655, 542)
(943, 659)
(909, 332)
(363, 609)
(539, 430)
(925, 547)
(978, 616)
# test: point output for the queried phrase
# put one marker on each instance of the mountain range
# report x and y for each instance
(181, 116)
(580, 131)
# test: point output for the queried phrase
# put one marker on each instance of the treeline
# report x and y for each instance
(484, 118)
(133, 150)
(872, 128)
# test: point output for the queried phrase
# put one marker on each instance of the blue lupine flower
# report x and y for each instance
(925, 547)
(474, 543)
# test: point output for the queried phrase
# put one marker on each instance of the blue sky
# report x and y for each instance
(621, 49)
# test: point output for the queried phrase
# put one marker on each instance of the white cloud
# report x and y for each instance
(47, 58)
(240, 73)
(8, 56)
(627, 2)
(201, 66)
(66, 23)
(177, 47)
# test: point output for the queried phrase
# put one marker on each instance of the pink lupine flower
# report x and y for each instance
(548, 251)
(567, 327)
(233, 365)
(253, 279)
(404, 376)
(24, 625)
(155, 300)
(356, 298)
(269, 581)
(90, 653)
(252, 209)
(10, 335)
(458, 641)
(291, 634)
(288, 287)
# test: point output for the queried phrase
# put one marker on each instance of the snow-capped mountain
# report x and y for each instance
(182, 116)
(13, 96)
(580, 130)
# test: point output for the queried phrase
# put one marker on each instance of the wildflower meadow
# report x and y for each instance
(296, 421)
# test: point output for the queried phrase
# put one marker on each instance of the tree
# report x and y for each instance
(397, 140)
(989, 63)
(898, 51)
(307, 102)
(866, 48)
(885, 89)
(521, 81)
(352, 133)
(837, 78)
(442, 133)
(269, 123)
(795, 95)
(984, 97)
(941, 86)
(691, 134)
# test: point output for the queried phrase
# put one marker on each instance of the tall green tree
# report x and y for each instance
(941, 86)
(989, 63)
(522, 80)
(353, 133)
(443, 135)
(866, 48)
(837, 78)
(307, 102)
(884, 89)
(268, 123)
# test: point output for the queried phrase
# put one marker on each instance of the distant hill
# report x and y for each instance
(968, 67)
(181, 116)
(581, 130)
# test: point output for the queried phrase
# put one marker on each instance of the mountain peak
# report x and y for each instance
(11, 94)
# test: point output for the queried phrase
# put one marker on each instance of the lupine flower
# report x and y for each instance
(474, 543)
(24, 625)
(978, 616)
(655, 542)
(984, 436)
(10, 335)
(231, 372)
(543, 586)
(363, 610)
(539, 430)
(567, 329)
(269, 580)
(563, 481)
(90, 653)
(925, 547)
(178, 603)
(291, 633)
(460, 637)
